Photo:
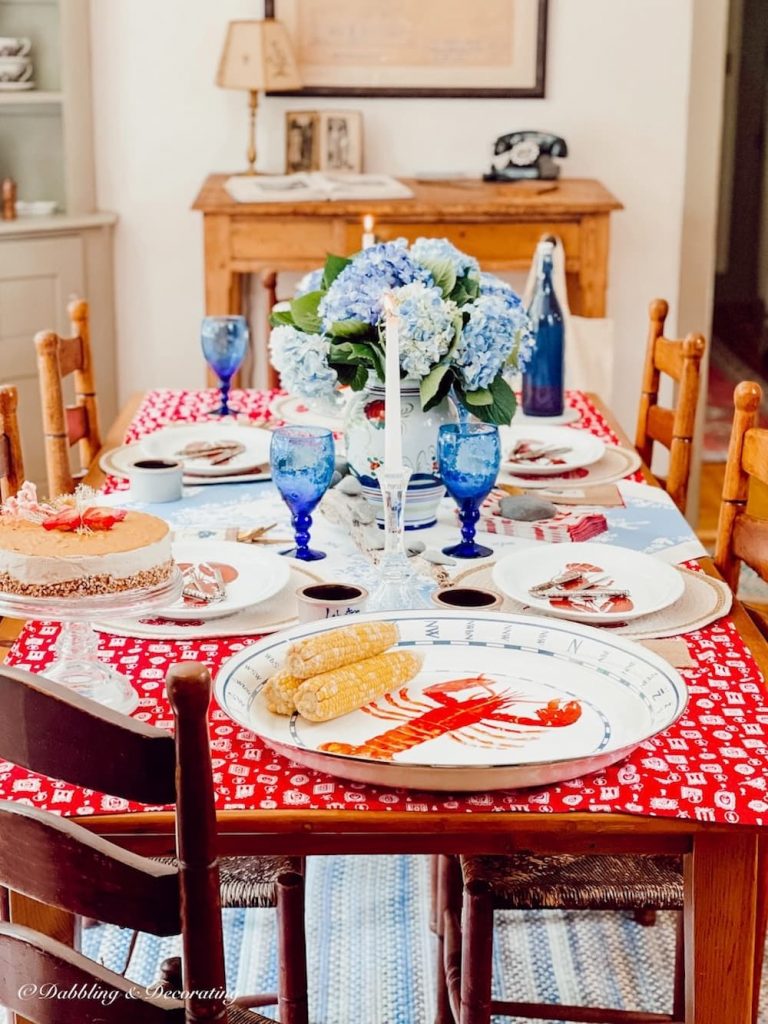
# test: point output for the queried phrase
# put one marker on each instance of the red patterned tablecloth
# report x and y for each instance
(712, 765)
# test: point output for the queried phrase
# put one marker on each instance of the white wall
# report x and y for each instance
(617, 90)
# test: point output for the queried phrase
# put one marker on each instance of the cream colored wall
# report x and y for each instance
(617, 90)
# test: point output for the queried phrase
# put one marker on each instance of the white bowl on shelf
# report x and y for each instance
(37, 208)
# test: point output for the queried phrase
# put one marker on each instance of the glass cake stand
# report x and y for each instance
(76, 663)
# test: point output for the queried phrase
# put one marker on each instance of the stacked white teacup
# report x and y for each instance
(15, 63)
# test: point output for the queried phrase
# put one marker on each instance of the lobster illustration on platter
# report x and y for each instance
(466, 710)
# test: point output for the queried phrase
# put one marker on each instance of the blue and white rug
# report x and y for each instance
(371, 953)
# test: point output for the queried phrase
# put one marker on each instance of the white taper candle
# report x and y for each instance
(369, 238)
(393, 445)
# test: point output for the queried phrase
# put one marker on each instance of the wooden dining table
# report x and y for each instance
(724, 882)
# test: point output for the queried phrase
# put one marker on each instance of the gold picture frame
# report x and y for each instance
(323, 140)
(424, 48)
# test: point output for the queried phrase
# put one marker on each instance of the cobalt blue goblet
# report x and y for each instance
(302, 460)
(225, 342)
(469, 456)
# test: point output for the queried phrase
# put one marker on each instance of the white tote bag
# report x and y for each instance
(588, 340)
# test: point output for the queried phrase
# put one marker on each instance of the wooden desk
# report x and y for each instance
(500, 224)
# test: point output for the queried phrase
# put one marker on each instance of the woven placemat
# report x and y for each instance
(705, 599)
(616, 464)
(278, 612)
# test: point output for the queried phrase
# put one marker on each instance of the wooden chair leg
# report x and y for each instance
(447, 897)
(434, 871)
(292, 951)
(762, 920)
(477, 954)
(678, 989)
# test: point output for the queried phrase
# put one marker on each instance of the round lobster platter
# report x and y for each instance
(501, 701)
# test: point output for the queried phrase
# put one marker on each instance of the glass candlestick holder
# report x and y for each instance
(399, 587)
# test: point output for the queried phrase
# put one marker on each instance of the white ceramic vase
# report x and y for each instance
(364, 429)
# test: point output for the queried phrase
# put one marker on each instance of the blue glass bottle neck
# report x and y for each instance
(544, 299)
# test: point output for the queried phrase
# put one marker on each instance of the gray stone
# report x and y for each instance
(362, 512)
(526, 508)
(414, 547)
(341, 466)
(350, 486)
(437, 557)
(374, 538)
(336, 478)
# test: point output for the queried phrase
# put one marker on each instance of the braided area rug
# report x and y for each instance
(371, 953)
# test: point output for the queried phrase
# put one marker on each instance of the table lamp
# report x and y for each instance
(257, 55)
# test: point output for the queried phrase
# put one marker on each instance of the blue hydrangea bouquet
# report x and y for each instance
(461, 331)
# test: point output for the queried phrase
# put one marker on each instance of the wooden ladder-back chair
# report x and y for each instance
(672, 428)
(65, 425)
(11, 460)
(742, 536)
(269, 284)
(56, 862)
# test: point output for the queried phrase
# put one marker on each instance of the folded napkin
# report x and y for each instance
(565, 526)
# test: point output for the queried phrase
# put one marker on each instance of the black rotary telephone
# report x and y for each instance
(522, 155)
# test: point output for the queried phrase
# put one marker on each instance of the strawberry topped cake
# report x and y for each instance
(73, 548)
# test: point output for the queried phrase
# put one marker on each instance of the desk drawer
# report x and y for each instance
(287, 240)
(498, 245)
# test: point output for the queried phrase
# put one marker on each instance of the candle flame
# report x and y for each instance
(368, 222)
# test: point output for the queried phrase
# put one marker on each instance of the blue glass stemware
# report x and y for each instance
(302, 460)
(469, 456)
(225, 342)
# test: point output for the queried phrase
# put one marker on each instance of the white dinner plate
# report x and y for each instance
(303, 412)
(584, 449)
(652, 584)
(119, 462)
(251, 576)
(168, 442)
(500, 701)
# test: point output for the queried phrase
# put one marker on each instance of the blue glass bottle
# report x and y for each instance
(543, 377)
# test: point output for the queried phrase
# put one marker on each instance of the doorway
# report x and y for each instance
(740, 325)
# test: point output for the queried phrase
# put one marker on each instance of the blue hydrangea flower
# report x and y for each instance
(429, 251)
(310, 282)
(497, 337)
(426, 327)
(302, 362)
(356, 293)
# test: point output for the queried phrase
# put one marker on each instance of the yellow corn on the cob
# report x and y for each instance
(334, 693)
(279, 692)
(327, 651)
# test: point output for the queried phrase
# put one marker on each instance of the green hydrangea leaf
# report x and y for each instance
(281, 316)
(443, 274)
(466, 289)
(333, 267)
(430, 386)
(478, 397)
(304, 312)
(350, 329)
(502, 407)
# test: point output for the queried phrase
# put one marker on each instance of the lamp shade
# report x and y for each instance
(258, 55)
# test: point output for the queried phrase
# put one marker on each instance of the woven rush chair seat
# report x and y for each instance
(250, 882)
(239, 1015)
(525, 881)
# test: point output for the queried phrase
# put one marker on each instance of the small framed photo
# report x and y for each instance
(323, 140)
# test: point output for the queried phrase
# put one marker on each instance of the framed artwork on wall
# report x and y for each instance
(429, 48)
(323, 140)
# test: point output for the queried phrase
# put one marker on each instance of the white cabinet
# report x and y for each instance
(38, 275)
(46, 145)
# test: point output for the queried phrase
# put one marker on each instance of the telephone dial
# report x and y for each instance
(522, 155)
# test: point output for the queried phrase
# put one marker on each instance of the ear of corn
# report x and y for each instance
(341, 690)
(337, 647)
(280, 691)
